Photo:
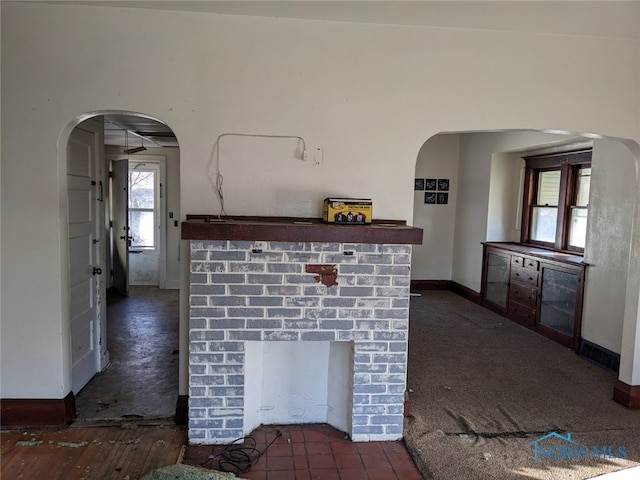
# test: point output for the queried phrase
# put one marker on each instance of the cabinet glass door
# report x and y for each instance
(497, 287)
(558, 302)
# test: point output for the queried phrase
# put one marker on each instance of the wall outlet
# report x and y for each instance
(318, 156)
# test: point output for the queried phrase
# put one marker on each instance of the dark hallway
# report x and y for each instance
(142, 378)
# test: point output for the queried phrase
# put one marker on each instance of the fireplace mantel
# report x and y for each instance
(290, 229)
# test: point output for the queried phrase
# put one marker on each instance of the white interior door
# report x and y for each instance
(120, 202)
(84, 256)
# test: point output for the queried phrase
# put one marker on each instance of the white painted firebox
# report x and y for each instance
(271, 343)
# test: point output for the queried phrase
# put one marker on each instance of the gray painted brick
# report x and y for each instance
(372, 302)
(227, 323)
(207, 312)
(371, 347)
(392, 292)
(375, 258)
(264, 279)
(245, 312)
(266, 256)
(368, 430)
(387, 378)
(302, 279)
(197, 323)
(345, 302)
(197, 346)
(196, 434)
(206, 380)
(301, 324)
(370, 389)
(373, 280)
(385, 419)
(199, 278)
(265, 324)
(199, 255)
(369, 410)
(280, 335)
(360, 420)
(284, 312)
(227, 277)
(235, 391)
(197, 369)
(391, 313)
(224, 434)
(324, 313)
(395, 248)
(361, 399)
(229, 301)
(215, 245)
(354, 335)
(198, 301)
(386, 399)
(319, 290)
(284, 268)
(232, 255)
(393, 429)
(226, 369)
(397, 368)
(402, 270)
(234, 358)
(244, 335)
(289, 246)
(197, 413)
(396, 388)
(401, 281)
(206, 267)
(372, 325)
(361, 247)
(266, 301)
(234, 401)
(402, 259)
(246, 289)
(245, 245)
(336, 324)
(247, 267)
(370, 367)
(357, 269)
(302, 257)
(206, 358)
(389, 358)
(339, 259)
(400, 303)
(205, 335)
(361, 357)
(208, 423)
(400, 324)
(302, 301)
(325, 247)
(208, 290)
(283, 290)
(318, 336)
(357, 291)
(226, 346)
(395, 335)
(235, 379)
(234, 423)
(394, 409)
(398, 346)
(205, 402)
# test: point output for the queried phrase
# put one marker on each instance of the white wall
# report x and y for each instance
(505, 197)
(438, 158)
(369, 95)
(611, 210)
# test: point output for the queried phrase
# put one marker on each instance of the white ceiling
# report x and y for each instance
(619, 19)
(132, 131)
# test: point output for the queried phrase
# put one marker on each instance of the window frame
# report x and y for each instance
(141, 167)
(569, 164)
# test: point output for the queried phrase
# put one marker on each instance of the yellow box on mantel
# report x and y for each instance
(347, 211)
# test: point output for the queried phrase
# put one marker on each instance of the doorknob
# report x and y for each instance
(97, 270)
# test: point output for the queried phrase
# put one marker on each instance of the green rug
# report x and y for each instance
(186, 472)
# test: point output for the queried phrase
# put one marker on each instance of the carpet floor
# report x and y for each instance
(483, 390)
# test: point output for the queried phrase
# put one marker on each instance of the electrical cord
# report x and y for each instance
(241, 454)
(216, 177)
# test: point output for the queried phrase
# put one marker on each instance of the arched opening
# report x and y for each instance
(478, 377)
(122, 213)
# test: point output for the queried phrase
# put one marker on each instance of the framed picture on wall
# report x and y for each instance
(430, 197)
(443, 184)
(419, 184)
(430, 183)
(443, 198)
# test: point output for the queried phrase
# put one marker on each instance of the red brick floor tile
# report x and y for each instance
(325, 474)
(296, 436)
(315, 436)
(254, 475)
(370, 448)
(318, 448)
(303, 475)
(321, 461)
(280, 450)
(348, 461)
(279, 463)
(281, 475)
(408, 473)
(298, 449)
(373, 461)
(394, 447)
(344, 448)
(400, 460)
(300, 462)
(382, 473)
(353, 474)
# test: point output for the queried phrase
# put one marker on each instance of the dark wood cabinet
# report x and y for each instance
(538, 288)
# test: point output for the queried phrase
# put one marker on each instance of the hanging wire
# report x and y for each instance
(240, 455)
(217, 178)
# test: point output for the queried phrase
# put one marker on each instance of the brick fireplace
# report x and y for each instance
(298, 331)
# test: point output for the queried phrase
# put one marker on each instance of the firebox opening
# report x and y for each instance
(298, 382)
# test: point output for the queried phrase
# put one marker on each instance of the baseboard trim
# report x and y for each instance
(466, 292)
(431, 284)
(627, 395)
(37, 412)
(455, 287)
(182, 410)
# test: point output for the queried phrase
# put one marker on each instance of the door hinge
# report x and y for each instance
(110, 223)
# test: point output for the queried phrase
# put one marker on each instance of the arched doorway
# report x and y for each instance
(109, 342)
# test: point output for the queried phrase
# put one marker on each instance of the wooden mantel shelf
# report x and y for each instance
(289, 229)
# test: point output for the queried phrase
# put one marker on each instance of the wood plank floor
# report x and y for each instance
(89, 453)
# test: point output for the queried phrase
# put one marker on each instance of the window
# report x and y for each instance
(556, 200)
(142, 207)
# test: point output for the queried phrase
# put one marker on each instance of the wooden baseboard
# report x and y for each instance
(455, 287)
(37, 412)
(466, 292)
(430, 284)
(627, 395)
(182, 410)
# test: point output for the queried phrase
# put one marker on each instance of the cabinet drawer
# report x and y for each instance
(517, 261)
(525, 276)
(523, 294)
(531, 263)
(522, 314)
